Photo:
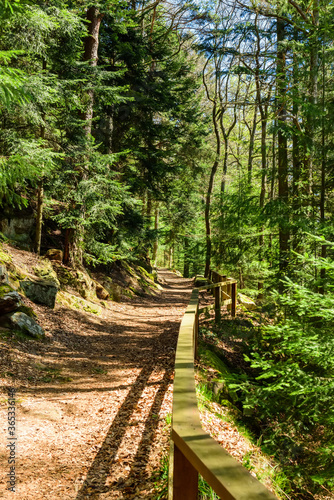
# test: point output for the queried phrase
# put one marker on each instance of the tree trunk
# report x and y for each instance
(156, 240)
(209, 193)
(68, 245)
(40, 192)
(282, 150)
(39, 218)
(186, 265)
(94, 18)
(170, 257)
(296, 150)
(323, 174)
(251, 148)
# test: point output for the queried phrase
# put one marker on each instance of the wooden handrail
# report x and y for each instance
(193, 451)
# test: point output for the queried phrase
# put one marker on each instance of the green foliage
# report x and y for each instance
(290, 393)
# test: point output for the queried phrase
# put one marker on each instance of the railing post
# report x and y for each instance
(185, 480)
(223, 288)
(218, 303)
(228, 291)
(234, 299)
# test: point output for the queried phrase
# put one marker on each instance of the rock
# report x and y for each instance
(74, 279)
(21, 322)
(101, 292)
(41, 292)
(54, 254)
(19, 228)
(46, 272)
(245, 301)
(200, 281)
(114, 290)
(3, 275)
(9, 299)
(219, 388)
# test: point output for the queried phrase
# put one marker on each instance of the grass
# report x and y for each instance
(99, 371)
(52, 374)
(205, 492)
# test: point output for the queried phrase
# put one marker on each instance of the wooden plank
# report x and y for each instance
(229, 479)
(207, 308)
(224, 302)
(224, 278)
(214, 285)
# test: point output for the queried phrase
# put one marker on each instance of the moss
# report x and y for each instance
(4, 256)
(129, 269)
(210, 358)
(71, 301)
(46, 271)
(90, 309)
(4, 289)
(146, 273)
(28, 311)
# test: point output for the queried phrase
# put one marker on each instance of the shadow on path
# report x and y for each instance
(100, 479)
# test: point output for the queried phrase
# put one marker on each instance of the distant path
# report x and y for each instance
(97, 428)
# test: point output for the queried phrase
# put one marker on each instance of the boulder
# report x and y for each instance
(54, 254)
(40, 291)
(114, 290)
(3, 275)
(46, 272)
(245, 301)
(101, 292)
(200, 281)
(9, 299)
(21, 322)
(19, 227)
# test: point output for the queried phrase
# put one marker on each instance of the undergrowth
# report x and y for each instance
(281, 372)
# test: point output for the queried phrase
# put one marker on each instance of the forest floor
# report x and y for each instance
(93, 398)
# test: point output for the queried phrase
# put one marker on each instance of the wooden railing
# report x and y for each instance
(193, 451)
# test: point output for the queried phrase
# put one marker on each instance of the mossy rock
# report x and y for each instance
(40, 291)
(10, 300)
(128, 268)
(46, 271)
(28, 311)
(200, 281)
(220, 384)
(76, 279)
(21, 323)
(4, 289)
(210, 358)
(73, 302)
(4, 256)
(128, 293)
(114, 290)
(146, 273)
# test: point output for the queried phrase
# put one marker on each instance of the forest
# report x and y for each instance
(190, 135)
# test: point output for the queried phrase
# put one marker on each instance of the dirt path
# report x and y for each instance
(93, 399)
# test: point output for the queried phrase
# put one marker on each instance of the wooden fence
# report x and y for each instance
(193, 451)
